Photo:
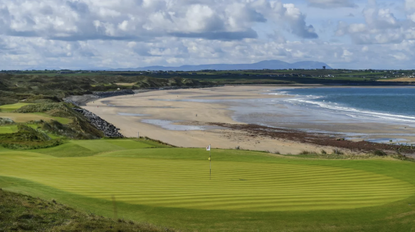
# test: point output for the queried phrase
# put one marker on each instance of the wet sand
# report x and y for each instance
(164, 110)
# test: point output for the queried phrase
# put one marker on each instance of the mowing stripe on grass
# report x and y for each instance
(242, 186)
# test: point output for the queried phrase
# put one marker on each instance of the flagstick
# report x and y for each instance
(210, 164)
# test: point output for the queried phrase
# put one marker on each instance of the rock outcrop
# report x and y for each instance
(107, 128)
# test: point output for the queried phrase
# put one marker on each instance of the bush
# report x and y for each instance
(27, 138)
(30, 145)
(337, 152)
(379, 153)
(43, 107)
(306, 153)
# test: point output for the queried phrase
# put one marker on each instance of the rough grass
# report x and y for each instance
(76, 126)
(53, 110)
(62, 120)
(25, 213)
(28, 136)
(248, 190)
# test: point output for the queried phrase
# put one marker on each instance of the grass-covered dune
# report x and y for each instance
(144, 181)
(25, 213)
(31, 126)
(48, 87)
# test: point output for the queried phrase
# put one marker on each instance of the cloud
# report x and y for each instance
(325, 4)
(410, 5)
(297, 22)
(380, 27)
(134, 33)
(141, 20)
(40, 53)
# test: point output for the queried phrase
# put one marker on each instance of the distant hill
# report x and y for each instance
(266, 64)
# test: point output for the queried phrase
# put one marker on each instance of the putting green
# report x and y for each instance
(185, 183)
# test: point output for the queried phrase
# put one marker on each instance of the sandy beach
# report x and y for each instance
(183, 118)
(127, 113)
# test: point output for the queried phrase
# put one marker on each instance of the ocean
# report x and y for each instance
(395, 104)
(373, 114)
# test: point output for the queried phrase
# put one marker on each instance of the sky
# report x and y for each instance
(106, 34)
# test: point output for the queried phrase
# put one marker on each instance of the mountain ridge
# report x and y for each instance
(265, 64)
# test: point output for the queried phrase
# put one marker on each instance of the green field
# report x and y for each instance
(246, 191)
(27, 117)
(6, 112)
(12, 107)
(8, 129)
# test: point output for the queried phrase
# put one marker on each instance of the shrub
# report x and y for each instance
(43, 107)
(379, 153)
(27, 138)
(337, 152)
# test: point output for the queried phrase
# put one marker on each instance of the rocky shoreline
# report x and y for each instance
(320, 139)
(107, 128)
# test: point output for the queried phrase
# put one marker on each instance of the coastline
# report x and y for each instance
(199, 117)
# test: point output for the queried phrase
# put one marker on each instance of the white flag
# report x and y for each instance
(208, 148)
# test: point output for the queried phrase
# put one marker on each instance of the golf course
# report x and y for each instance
(145, 181)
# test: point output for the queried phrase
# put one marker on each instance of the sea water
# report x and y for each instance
(336, 110)
(395, 104)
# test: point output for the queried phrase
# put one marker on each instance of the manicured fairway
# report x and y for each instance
(143, 174)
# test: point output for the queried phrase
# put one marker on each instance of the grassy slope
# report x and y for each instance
(159, 177)
(7, 111)
(24, 213)
(9, 129)
(83, 148)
